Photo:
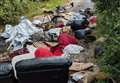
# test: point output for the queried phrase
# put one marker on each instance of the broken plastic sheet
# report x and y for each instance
(41, 19)
(20, 33)
(8, 31)
(77, 76)
(36, 22)
(75, 17)
(55, 31)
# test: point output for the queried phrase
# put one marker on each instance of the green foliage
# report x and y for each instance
(35, 8)
(108, 25)
(11, 10)
(101, 81)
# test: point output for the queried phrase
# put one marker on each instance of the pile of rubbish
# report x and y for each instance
(52, 35)
(83, 73)
(48, 28)
(19, 34)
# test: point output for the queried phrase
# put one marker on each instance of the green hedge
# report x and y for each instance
(10, 10)
(108, 25)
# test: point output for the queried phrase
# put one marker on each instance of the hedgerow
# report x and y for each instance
(108, 26)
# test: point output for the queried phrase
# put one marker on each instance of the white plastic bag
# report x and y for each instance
(73, 49)
(55, 31)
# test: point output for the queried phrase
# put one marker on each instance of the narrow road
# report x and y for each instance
(81, 4)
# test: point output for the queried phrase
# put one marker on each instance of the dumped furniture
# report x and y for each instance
(6, 73)
(44, 70)
(41, 70)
